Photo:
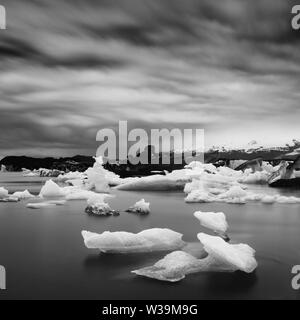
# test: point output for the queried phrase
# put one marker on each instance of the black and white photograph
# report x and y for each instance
(149, 151)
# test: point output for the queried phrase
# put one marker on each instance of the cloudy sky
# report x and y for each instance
(71, 67)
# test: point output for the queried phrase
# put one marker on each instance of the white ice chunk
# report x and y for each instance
(152, 183)
(101, 209)
(215, 221)
(233, 193)
(3, 193)
(39, 205)
(23, 195)
(236, 256)
(268, 199)
(51, 189)
(141, 206)
(72, 175)
(97, 198)
(78, 194)
(125, 242)
(258, 177)
(222, 257)
(173, 267)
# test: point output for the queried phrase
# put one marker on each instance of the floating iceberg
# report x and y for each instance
(51, 190)
(9, 199)
(173, 267)
(222, 257)
(268, 199)
(39, 205)
(57, 202)
(199, 196)
(101, 209)
(3, 193)
(141, 207)
(259, 177)
(45, 204)
(23, 195)
(77, 194)
(152, 183)
(73, 175)
(97, 206)
(215, 221)
(231, 257)
(97, 198)
(125, 242)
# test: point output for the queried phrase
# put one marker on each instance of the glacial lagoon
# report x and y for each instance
(45, 257)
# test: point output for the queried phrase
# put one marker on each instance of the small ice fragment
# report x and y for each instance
(3, 193)
(97, 206)
(9, 199)
(141, 207)
(173, 267)
(57, 202)
(215, 221)
(23, 195)
(268, 199)
(101, 209)
(40, 205)
(51, 189)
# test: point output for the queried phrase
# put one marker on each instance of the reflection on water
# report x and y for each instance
(45, 257)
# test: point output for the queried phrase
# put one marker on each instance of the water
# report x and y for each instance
(45, 258)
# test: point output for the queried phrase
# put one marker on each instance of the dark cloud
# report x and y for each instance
(71, 67)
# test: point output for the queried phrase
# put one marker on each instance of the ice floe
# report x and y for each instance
(141, 207)
(222, 257)
(152, 183)
(45, 204)
(40, 205)
(125, 242)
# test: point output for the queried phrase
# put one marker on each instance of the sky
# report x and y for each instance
(69, 68)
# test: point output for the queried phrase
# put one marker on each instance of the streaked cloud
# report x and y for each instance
(69, 68)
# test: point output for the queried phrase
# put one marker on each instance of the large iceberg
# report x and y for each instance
(125, 242)
(222, 257)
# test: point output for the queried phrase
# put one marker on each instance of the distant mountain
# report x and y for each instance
(79, 163)
(254, 149)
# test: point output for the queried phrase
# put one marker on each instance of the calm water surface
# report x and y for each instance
(45, 258)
